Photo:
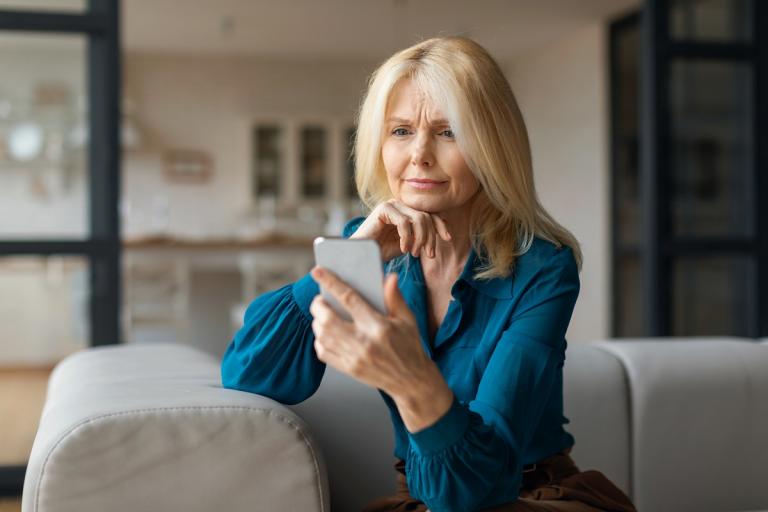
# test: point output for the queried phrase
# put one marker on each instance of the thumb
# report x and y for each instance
(393, 298)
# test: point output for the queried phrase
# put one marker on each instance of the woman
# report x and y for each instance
(469, 357)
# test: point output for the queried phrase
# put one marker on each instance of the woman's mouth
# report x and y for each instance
(425, 184)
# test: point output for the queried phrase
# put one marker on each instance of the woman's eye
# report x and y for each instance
(400, 131)
(447, 133)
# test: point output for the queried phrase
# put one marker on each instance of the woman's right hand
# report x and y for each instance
(399, 229)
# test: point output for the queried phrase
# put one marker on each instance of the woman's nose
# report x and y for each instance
(421, 152)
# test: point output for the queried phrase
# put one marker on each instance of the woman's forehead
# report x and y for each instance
(408, 101)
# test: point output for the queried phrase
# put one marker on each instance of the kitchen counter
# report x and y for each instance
(236, 244)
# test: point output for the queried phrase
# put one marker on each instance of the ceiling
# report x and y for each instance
(333, 29)
(351, 29)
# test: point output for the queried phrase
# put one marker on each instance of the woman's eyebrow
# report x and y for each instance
(401, 120)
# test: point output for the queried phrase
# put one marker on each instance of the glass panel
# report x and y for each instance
(43, 318)
(711, 295)
(629, 315)
(711, 148)
(627, 174)
(714, 20)
(43, 5)
(268, 160)
(349, 138)
(313, 161)
(43, 137)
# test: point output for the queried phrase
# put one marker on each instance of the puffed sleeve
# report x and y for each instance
(273, 353)
(453, 464)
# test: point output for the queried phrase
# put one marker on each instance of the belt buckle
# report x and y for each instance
(533, 468)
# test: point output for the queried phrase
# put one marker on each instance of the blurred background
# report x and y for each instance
(164, 162)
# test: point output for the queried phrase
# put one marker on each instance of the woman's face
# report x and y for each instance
(419, 145)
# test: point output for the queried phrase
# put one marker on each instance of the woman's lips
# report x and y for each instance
(425, 184)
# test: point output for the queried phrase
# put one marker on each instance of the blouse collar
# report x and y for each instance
(498, 288)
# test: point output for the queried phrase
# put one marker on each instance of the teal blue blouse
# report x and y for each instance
(500, 348)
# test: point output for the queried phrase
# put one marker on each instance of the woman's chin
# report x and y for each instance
(424, 204)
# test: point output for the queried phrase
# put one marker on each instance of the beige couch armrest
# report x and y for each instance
(149, 427)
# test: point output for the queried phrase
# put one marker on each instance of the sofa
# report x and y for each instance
(679, 424)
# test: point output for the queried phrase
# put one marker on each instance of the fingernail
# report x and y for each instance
(318, 272)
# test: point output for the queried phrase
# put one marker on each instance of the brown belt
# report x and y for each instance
(549, 470)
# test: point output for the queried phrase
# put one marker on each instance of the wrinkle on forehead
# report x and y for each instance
(421, 102)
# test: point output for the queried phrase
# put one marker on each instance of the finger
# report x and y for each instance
(420, 235)
(405, 230)
(345, 294)
(343, 362)
(403, 224)
(329, 327)
(428, 233)
(432, 244)
(419, 227)
(441, 227)
(321, 310)
(325, 354)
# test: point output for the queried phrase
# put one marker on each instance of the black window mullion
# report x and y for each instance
(622, 251)
(761, 160)
(104, 174)
(654, 166)
(707, 50)
(15, 20)
(614, 187)
(712, 246)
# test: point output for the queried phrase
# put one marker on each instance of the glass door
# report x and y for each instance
(59, 223)
(703, 228)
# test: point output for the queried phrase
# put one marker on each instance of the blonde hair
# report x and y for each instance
(462, 79)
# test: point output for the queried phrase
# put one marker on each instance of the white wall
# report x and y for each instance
(563, 93)
(206, 103)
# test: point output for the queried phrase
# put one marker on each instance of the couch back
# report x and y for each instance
(677, 424)
(698, 422)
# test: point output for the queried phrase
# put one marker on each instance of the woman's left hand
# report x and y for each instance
(382, 351)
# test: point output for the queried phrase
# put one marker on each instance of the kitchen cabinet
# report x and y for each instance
(301, 161)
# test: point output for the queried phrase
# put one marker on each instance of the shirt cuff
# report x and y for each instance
(304, 291)
(443, 433)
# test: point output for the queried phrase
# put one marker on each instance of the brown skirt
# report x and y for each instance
(554, 485)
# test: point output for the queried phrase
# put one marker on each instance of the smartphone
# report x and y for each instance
(358, 263)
